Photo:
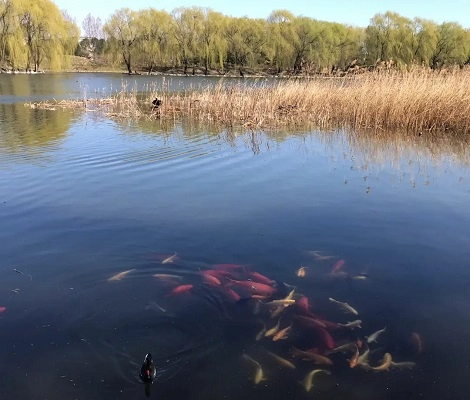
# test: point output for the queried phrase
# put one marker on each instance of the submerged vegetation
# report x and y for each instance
(201, 40)
(416, 101)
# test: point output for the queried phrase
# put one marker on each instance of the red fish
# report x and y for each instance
(230, 267)
(220, 275)
(303, 304)
(2, 309)
(417, 342)
(253, 287)
(327, 341)
(337, 266)
(309, 322)
(232, 294)
(257, 277)
(180, 289)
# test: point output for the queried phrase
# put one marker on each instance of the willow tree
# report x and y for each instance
(348, 44)
(7, 25)
(246, 39)
(425, 34)
(12, 42)
(451, 46)
(308, 33)
(187, 31)
(154, 37)
(122, 32)
(212, 40)
(46, 34)
(281, 38)
(72, 35)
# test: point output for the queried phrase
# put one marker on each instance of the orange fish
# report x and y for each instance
(354, 358)
(282, 334)
(211, 280)
(180, 289)
(386, 362)
(253, 287)
(2, 309)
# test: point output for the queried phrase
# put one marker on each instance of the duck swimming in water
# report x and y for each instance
(148, 372)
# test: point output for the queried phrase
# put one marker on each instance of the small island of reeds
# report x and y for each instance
(415, 101)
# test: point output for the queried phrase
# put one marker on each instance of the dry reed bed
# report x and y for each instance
(417, 101)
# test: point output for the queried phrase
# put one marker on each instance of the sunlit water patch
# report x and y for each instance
(84, 199)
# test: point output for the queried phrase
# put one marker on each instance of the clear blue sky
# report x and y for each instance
(353, 12)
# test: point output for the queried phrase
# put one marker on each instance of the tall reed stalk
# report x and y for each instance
(416, 101)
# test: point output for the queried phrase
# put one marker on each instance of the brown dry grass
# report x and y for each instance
(417, 101)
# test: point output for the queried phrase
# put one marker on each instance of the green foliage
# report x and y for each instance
(34, 34)
(122, 30)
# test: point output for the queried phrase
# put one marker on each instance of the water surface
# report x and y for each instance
(83, 198)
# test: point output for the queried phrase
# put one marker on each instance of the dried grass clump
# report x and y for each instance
(415, 101)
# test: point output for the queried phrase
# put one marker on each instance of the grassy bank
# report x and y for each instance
(418, 101)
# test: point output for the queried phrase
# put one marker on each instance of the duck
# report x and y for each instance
(148, 372)
(156, 103)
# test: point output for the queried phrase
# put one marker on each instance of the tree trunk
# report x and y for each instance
(127, 61)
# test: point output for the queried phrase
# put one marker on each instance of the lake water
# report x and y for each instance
(83, 198)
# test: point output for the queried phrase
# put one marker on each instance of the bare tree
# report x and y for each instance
(93, 27)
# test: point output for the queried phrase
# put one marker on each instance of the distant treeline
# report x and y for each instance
(34, 34)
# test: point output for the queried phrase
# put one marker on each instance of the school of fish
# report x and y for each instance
(286, 316)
